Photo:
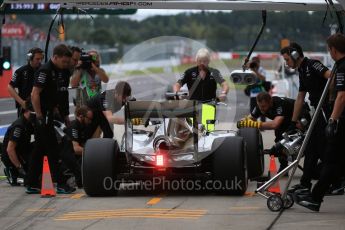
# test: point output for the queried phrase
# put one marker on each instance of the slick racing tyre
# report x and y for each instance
(254, 146)
(229, 166)
(99, 166)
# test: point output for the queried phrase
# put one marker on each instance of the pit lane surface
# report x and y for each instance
(161, 209)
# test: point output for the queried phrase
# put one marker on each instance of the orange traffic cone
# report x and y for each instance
(47, 189)
(274, 188)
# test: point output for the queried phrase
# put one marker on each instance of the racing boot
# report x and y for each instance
(336, 190)
(32, 190)
(78, 180)
(65, 189)
(307, 202)
(299, 188)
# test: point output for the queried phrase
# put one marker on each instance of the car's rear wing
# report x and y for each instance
(164, 109)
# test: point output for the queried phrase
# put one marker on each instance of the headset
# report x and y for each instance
(30, 55)
(294, 54)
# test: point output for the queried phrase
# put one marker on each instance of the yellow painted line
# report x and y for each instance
(140, 209)
(77, 196)
(137, 214)
(245, 208)
(63, 196)
(154, 201)
(40, 210)
(134, 213)
(129, 216)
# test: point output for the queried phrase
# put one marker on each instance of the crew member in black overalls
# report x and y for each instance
(44, 100)
(17, 146)
(279, 110)
(333, 161)
(104, 105)
(312, 79)
(75, 142)
(202, 80)
(23, 78)
(63, 84)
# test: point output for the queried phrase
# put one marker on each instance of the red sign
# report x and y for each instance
(13, 31)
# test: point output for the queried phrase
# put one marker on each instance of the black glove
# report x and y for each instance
(40, 124)
(275, 150)
(331, 128)
(268, 152)
(292, 127)
(40, 121)
(28, 106)
(21, 172)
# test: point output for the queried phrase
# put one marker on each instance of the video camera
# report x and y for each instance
(86, 60)
(246, 77)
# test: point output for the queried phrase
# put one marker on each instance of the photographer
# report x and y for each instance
(258, 87)
(89, 75)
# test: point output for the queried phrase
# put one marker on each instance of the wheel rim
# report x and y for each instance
(275, 203)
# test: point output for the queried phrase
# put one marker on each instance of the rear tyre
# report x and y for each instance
(229, 166)
(254, 146)
(99, 167)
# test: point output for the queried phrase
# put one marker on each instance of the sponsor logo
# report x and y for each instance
(42, 77)
(14, 77)
(17, 132)
(318, 66)
(279, 110)
(75, 133)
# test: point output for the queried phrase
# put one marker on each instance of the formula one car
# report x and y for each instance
(177, 140)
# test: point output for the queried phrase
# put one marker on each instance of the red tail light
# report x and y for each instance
(159, 160)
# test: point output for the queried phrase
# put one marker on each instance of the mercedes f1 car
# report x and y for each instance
(176, 140)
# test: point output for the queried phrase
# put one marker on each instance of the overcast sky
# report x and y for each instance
(142, 14)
